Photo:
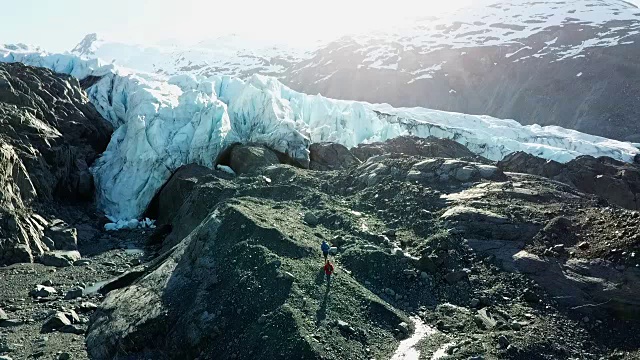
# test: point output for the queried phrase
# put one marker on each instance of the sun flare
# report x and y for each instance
(289, 21)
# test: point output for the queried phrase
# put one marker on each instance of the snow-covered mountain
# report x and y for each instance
(162, 123)
(549, 62)
(231, 55)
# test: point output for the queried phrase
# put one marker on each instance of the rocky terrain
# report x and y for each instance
(615, 181)
(44, 310)
(492, 264)
(439, 253)
(49, 136)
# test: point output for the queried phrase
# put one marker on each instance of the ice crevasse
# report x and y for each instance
(162, 123)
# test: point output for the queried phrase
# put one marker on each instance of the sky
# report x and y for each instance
(58, 25)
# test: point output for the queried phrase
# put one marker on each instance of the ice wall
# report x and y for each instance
(163, 123)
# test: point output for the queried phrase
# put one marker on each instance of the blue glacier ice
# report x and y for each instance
(162, 123)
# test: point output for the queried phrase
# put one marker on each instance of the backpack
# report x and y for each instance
(325, 246)
(328, 268)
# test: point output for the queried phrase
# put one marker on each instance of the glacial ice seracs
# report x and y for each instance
(162, 123)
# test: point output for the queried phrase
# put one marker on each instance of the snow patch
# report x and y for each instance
(441, 353)
(325, 77)
(407, 349)
(226, 169)
(517, 51)
(131, 224)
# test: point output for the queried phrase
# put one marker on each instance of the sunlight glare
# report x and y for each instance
(288, 21)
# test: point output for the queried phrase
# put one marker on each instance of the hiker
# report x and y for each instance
(328, 269)
(325, 250)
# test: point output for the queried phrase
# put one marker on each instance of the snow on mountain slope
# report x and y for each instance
(231, 55)
(504, 23)
(163, 123)
(550, 62)
(485, 23)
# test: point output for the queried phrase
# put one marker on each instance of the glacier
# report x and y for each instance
(164, 122)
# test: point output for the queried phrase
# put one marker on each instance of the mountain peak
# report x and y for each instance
(87, 46)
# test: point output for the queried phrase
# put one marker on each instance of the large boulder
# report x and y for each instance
(244, 159)
(61, 321)
(170, 198)
(179, 205)
(49, 136)
(60, 258)
(330, 156)
(63, 236)
(615, 181)
(526, 163)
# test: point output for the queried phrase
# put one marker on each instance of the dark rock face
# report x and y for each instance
(529, 164)
(249, 158)
(49, 136)
(171, 197)
(615, 181)
(48, 117)
(61, 235)
(415, 146)
(330, 156)
(176, 211)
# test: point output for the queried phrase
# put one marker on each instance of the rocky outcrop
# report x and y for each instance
(60, 236)
(415, 146)
(330, 156)
(380, 169)
(454, 170)
(175, 205)
(250, 158)
(170, 198)
(191, 302)
(59, 258)
(614, 181)
(594, 287)
(49, 136)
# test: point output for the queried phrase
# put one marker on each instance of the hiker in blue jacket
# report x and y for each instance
(325, 250)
